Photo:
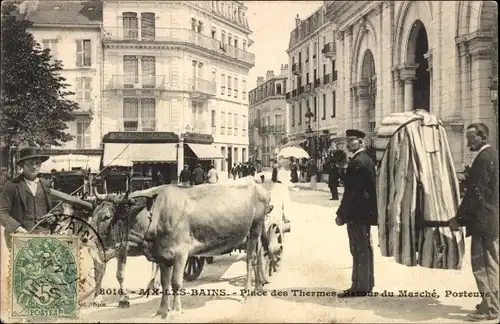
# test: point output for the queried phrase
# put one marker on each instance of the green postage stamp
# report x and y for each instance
(44, 276)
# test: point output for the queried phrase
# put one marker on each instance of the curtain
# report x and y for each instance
(130, 114)
(130, 25)
(148, 65)
(148, 114)
(130, 70)
(147, 26)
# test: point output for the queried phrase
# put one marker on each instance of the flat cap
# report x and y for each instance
(355, 133)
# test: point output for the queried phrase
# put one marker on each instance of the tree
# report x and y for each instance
(33, 96)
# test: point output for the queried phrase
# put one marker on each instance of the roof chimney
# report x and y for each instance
(297, 21)
(269, 75)
(284, 69)
(260, 80)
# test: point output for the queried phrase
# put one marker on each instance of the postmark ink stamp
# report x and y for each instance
(44, 276)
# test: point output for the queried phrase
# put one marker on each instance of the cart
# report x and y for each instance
(277, 225)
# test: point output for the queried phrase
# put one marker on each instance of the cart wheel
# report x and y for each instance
(193, 268)
(266, 267)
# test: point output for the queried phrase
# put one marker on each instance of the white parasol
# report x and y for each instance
(293, 151)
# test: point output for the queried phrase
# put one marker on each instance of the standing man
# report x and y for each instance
(479, 213)
(199, 175)
(25, 199)
(313, 172)
(358, 209)
(333, 180)
(185, 176)
(213, 176)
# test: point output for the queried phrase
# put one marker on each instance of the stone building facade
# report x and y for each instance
(396, 56)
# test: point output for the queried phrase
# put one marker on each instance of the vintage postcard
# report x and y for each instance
(249, 161)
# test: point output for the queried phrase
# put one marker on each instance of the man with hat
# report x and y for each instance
(358, 209)
(25, 199)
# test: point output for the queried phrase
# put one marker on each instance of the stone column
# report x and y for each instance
(397, 105)
(348, 94)
(428, 57)
(363, 104)
(180, 156)
(407, 74)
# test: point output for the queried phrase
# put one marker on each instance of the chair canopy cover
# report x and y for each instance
(417, 192)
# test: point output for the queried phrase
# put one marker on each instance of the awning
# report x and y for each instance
(294, 143)
(70, 161)
(125, 154)
(205, 151)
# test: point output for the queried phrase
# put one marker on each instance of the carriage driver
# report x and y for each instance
(25, 199)
(358, 209)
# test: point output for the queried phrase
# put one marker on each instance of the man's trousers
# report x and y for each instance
(484, 261)
(362, 257)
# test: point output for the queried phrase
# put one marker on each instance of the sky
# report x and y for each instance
(271, 23)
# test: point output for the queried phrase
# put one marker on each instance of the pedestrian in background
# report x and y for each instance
(303, 170)
(213, 176)
(478, 212)
(274, 175)
(198, 175)
(294, 176)
(313, 173)
(333, 179)
(234, 171)
(185, 176)
(358, 209)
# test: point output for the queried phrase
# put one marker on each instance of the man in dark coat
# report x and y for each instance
(333, 180)
(199, 175)
(479, 213)
(185, 176)
(358, 209)
(25, 199)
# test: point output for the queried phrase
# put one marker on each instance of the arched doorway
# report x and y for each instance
(368, 97)
(418, 45)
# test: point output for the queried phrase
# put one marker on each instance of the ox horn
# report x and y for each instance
(98, 195)
(144, 193)
(72, 200)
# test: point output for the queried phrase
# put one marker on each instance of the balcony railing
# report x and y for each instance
(326, 78)
(137, 82)
(296, 68)
(85, 107)
(175, 35)
(202, 86)
(317, 82)
(329, 50)
(137, 124)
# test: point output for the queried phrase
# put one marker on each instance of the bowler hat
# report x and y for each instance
(355, 133)
(28, 153)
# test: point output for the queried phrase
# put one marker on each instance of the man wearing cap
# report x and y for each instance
(25, 199)
(358, 209)
(185, 176)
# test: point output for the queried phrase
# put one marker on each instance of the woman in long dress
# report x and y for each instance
(294, 172)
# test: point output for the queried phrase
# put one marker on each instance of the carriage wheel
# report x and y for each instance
(267, 267)
(193, 268)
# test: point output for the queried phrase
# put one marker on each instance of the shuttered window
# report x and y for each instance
(83, 52)
(148, 66)
(130, 26)
(130, 70)
(83, 139)
(148, 26)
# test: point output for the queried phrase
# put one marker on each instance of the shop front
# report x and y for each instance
(199, 149)
(151, 156)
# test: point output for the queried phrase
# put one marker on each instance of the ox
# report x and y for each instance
(170, 223)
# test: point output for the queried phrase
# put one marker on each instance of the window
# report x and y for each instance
(334, 110)
(214, 32)
(130, 26)
(222, 84)
(243, 125)
(307, 54)
(324, 107)
(139, 114)
(83, 52)
(244, 45)
(130, 70)
(236, 42)
(244, 89)
(83, 140)
(229, 124)
(229, 85)
(148, 26)
(324, 70)
(300, 113)
(213, 118)
(223, 37)
(200, 27)
(315, 105)
(236, 87)
(314, 50)
(307, 78)
(51, 44)
(293, 114)
(235, 124)
(278, 88)
(193, 24)
(222, 122)
(148, 66)
(83, 91)
(230, 40)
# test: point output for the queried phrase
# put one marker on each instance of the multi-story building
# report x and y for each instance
(173, 73)
(396, 56)
(71, 30)
(268, 115)
(313, 82)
